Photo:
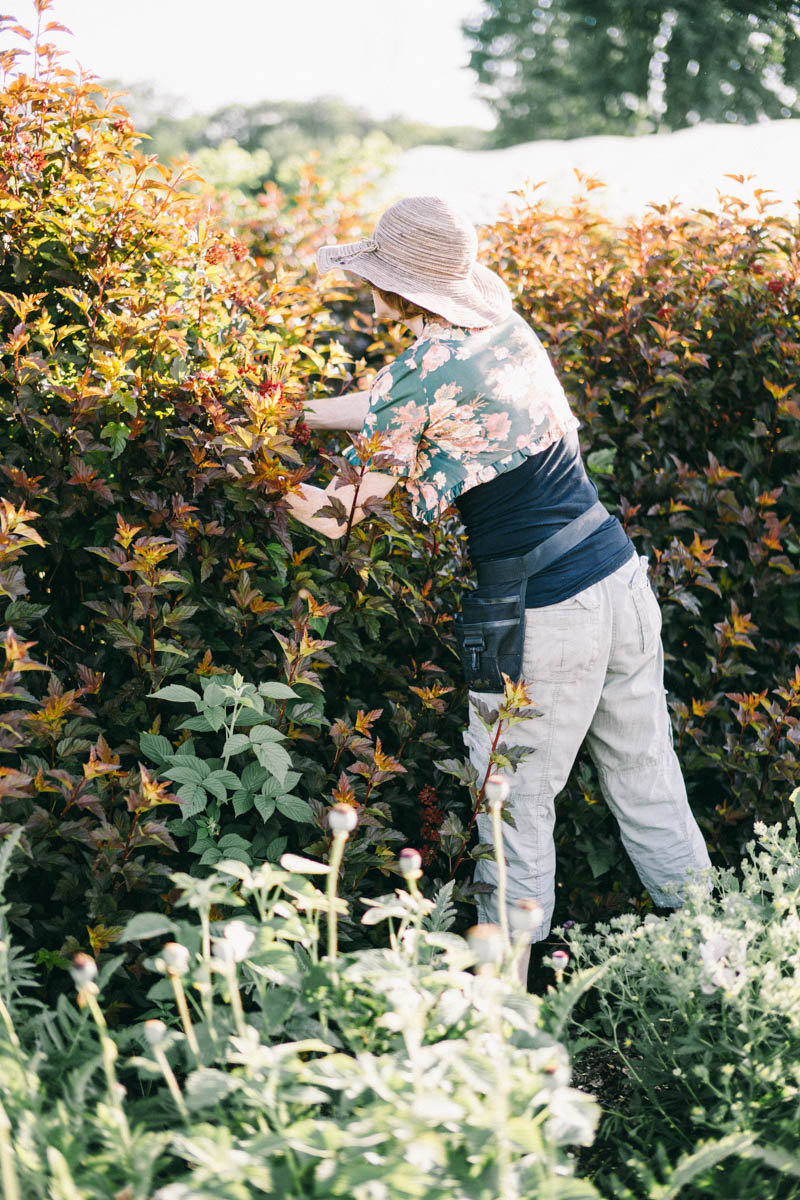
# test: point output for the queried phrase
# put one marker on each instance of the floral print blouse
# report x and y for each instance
(461, 406)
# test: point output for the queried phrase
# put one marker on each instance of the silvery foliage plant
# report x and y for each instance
(701, 1011)
(270, 1063)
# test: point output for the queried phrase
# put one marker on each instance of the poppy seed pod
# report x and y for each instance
(83, 970)
(155, 1031)
(486, 942)
(525, 915)
(342, 818)
(410, 861)
(496, 790)
(176, 958)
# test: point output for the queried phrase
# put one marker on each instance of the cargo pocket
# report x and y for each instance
(562, 640)
(647, 608)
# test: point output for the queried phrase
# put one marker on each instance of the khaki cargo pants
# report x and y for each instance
(595, 667)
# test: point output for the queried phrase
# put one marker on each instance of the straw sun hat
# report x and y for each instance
(425, 250)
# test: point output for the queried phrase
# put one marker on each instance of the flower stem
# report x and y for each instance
(335, 862)
(183, 1009)
(496, 812)
(171, 1081)
(8, 1170)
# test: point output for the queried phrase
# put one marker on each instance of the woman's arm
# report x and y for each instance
(341, 412)
(307, 500)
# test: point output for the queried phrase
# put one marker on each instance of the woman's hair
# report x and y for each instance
(405, 308)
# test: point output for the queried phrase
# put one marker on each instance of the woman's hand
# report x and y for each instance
(304, 503)
(340, 412)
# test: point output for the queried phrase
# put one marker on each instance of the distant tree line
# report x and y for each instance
(548, 69)
(571, 68)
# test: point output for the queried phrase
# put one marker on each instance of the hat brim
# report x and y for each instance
(481, 298)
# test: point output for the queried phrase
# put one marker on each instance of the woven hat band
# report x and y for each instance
(426, 250)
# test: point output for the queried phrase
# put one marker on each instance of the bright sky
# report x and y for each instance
(388, 56)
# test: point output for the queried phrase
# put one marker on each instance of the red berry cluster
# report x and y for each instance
(252, 307)
(301, 434)
(215, 253)
(124, 125)
(239, 250)
(270, 387)
(432, 819)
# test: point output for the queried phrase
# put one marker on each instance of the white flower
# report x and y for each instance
(235, 943)
(573, 1117)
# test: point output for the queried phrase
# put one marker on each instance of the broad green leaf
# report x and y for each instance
(156, 747)
(177, 693)
(208, 1086)
(254, 775)
(265, 806)
(147, 925)
(295, 809)
(235, 744)
(275, 759)
(190, 769)
(277, 691)
(266, 733)
(193, 798)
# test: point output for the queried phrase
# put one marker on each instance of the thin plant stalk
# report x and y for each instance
(8, 1169)
(7, 1020)
(337, 854)
(171, 1081)
(88, 996)
(496, 812)
(183, 1010)
(236, 999)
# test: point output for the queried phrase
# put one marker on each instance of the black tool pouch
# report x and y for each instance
(490, 634)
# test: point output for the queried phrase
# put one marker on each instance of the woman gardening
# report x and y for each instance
(474, 415)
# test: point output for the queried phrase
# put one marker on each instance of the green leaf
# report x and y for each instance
(156, 747)
(276, 848)
(265, 806)
(242, 802)
(295, 809)
(235, 744)
(117, 434)
(194, 799)
(266, 733)
(277, 691)
(177, 693)
(208, 1086)
(147, 925)
(253, 776)
(275, 759)
(190, 769)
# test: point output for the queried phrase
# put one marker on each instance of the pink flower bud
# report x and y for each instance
(485, 942)
(342, 818)
(525, 915)
(559, 959)
(83, 970)
(496, 791)
(410, 861)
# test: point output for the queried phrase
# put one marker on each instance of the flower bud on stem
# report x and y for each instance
(342, 818)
